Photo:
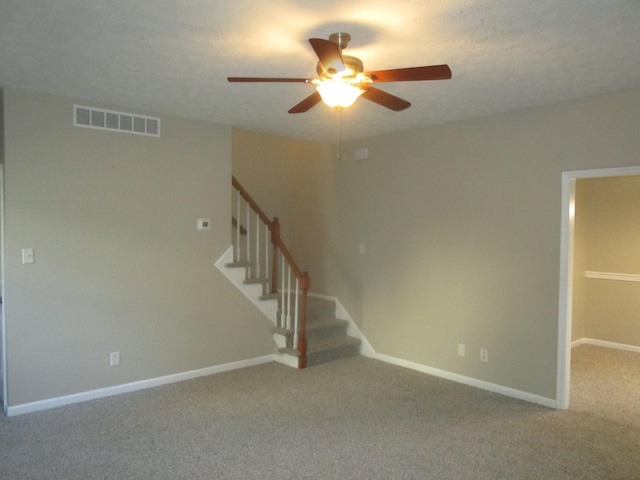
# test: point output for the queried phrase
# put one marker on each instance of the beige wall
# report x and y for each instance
(1, 126)
(462, 230)
(461, 224)
(271, 169)
(119, 263)
(263, 165)
(2, 349)
(607, 214)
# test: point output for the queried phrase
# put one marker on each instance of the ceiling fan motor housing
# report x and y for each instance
(354, 65)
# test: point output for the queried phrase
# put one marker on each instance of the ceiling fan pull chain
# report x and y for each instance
(339, 154)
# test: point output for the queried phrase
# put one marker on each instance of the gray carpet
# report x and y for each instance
(355, 418)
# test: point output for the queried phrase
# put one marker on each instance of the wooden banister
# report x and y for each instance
(250, 201)
(302, 331)
(289, 258)
(301, 277)
(234, 222)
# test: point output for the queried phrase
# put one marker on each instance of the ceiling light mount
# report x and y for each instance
(341, 39)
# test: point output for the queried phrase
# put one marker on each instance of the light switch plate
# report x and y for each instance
(362, 153)
(27, 255)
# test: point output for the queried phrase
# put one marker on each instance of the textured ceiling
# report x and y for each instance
(165, 56)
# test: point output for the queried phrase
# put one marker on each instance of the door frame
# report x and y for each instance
(569, 178)
(3, 332)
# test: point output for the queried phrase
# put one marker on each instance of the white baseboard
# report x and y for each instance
(134, 386)
(472, 382)
(604, 343)
(368, 351)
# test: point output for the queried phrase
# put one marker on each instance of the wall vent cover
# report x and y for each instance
(90, 117)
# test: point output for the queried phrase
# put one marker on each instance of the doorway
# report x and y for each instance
(566, 273)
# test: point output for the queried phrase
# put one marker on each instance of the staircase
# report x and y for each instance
(327, 337)
(306, 330)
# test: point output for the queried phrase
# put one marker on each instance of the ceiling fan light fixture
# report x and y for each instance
(338, 93)
(342, 78)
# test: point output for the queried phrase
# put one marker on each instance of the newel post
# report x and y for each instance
(275, 240)
(302, 330)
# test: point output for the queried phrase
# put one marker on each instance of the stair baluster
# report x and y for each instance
(249, 240)
(275, 238)
(239, 229)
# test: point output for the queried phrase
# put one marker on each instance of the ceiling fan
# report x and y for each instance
(342, 79)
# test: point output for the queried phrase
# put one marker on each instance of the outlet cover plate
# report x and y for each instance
(114, 359)
(484, 355)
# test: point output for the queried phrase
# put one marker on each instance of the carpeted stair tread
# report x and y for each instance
(331, 343)
(269, 296)
(282, 331)
(316, 331)
(332, 348)
(316, 326)
(328, 349)
(290, 351)
(254, 281)
(333, 327)
(320, 323)
(320, 308)
(237, 265)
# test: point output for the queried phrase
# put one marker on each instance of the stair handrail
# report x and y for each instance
(256, 208)
(302, 277)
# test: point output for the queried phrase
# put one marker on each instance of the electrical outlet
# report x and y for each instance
(484, 355)
(461, 349)
(114, 359)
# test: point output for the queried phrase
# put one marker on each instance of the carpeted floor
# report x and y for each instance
(355, 418)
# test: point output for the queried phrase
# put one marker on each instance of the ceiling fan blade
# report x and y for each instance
(385, 99)
(328, 54)
(267, 79)
(307, 103)
(432, 72)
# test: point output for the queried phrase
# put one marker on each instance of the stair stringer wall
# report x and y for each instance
(253, 292)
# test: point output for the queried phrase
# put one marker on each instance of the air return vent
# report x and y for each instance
(90, 117)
